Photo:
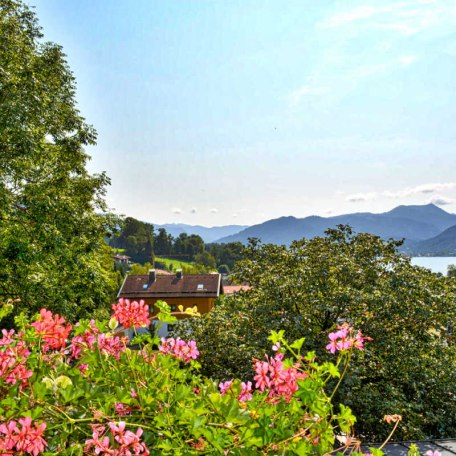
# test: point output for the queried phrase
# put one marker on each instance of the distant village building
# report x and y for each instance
(232, 289)
(121, 259)
(189, 290)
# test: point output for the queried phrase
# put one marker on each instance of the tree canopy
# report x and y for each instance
(316, 284)
(52, 251)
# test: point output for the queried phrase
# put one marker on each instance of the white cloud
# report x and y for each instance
(234, 215)
(419, 189)
(214, 210)
(408, 192)
(193, 210)
(176, 210)
(297, 95)
(407, 60)
(360, 197)
(356, 14)
(406, 17)
(439, 200)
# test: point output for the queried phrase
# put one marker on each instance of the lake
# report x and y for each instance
(435, 264)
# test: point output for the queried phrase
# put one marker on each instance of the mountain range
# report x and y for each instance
(427, 229)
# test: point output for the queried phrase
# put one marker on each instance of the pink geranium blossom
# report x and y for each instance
(185, 351)
(346, 338)
(52, 330)
(225, 386)
(246, 392)
(13, 364)
(28, 438)
(131, 314)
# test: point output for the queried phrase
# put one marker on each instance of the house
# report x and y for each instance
(121, 259)
(232, 289)
(189, 290)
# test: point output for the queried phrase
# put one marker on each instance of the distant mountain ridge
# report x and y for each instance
(414, 223)
(208, 234)
(443, 244)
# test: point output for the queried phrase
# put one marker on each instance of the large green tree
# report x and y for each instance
(137, 239)
(409, 366)
(52, 251)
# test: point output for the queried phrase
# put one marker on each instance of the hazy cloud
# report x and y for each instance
(407, 192)
(214, 210)
(420, 189)
(176, 210)
(404, 17)
(193, 210)
(439, 200)
(360, 197)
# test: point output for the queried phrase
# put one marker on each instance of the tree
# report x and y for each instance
(163, 242)
(136, 238)
(52, 227)
(451, 270)
(206, 259)
(316, 284)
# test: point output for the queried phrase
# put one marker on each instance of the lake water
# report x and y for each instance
(435, 264)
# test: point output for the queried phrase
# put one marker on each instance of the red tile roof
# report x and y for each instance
(190, 285)
(230, 289)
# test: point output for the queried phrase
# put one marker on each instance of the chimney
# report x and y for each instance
(152, 276)
(179, 273)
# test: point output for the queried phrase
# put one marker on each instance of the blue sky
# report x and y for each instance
(221, 112)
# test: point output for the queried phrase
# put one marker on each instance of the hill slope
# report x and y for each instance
(443, 244)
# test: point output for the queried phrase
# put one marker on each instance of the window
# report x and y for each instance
(144, 286)
(200, 287)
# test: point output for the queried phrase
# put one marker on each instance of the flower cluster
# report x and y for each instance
(26, 439)
(13, 360)
(345, 338)
(110, 344)
(52, 330)
(186, 351)
(121, 443)
(273, 375)
(246, 390)
(131, 314)
(84, 341)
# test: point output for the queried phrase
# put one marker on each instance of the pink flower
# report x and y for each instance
(122, 409)
(433, 453)
(85, 341)
(111, 345)
(225, 386)
(281, 381)
(246, 392)
(13, 364)
(131, 314)
(343, 339)
(261, 377)
(185, 351)
(7, 338)
(26, 439)
(52, 330)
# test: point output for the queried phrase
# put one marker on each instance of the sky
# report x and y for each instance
(218, 112)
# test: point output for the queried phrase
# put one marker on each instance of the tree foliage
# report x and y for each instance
(136, 238)
(52, 250)
(309, 288)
